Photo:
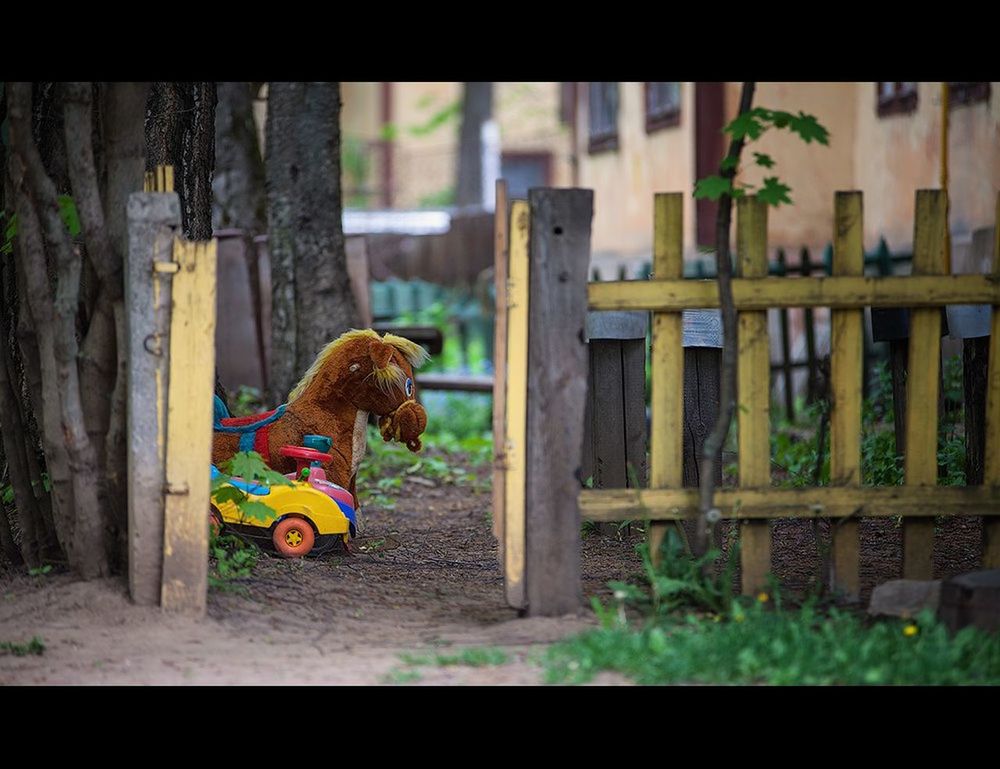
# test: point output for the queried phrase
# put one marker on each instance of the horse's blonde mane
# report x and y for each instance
(388, 376)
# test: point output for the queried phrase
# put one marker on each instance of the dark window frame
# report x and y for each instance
(668, 118)
(898, 103)
(962, 94)
(608, 139)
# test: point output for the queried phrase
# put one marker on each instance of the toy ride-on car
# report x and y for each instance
(312, 515)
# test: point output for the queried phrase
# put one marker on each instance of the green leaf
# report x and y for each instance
(256, 510)
(713, 187)
(70, 217)
(807, 127)
(728, 163)
(774, 193)
(747, 125)
(763, 160)
(228, 494)
(389, 132)
(8, 494)
(9, 233)
(248, 465)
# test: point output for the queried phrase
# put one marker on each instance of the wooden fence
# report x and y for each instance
(541, 536)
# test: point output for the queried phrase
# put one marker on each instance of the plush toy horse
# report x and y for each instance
(356, 374)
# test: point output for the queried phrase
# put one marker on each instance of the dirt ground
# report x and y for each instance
(424, 580)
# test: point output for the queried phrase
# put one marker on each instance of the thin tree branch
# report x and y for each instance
(724, 271)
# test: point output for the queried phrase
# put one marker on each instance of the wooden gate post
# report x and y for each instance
(153, 221)
(557, 383)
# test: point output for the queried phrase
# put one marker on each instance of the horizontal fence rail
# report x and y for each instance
(849, 292)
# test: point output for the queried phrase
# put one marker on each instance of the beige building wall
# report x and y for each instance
(813, 171)
(624, 180)
(887, 158)
(896, 155)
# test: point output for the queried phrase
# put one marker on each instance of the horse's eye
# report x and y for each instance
(409, 388)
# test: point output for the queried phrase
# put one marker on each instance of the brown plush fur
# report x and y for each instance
(330, 396)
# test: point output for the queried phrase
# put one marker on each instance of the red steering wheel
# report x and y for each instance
(304, 456)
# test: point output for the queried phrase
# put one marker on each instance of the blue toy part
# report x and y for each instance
(321, 443)
(247, 433)
(249, 488)
(219, 410)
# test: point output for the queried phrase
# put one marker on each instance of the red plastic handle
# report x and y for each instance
(301, 452)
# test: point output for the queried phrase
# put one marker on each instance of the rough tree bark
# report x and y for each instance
(312, 299)
(238, 185)
(180, 131)
(727, 396)
(54, 314)
(477, 108)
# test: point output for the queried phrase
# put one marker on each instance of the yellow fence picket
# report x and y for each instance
(667, 398)
(754, 392)
(923, 381)
(517, 404)
(847, 370)
(189, 428)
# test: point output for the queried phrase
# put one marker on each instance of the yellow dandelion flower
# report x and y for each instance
(910, 630)
(763, 597)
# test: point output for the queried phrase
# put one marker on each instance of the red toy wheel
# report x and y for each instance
(293, 537)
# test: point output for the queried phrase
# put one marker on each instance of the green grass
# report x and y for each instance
(387, 464)
(34, 646)
(758, 645)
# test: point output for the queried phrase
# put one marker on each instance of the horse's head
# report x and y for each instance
(375, 374)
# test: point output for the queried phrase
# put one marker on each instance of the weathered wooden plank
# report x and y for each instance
(753, 393)
(821, 291)
(702, 366)
(608, 424)
(189, 429)
(822, 502)
(515, 451)
(929, 234)
(559, 256)
(846, 367)
(667, 364)
(501, 226)
(634, 396)
(153, 219)
(991, 464)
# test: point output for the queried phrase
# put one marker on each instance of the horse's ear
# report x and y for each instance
(380, 353)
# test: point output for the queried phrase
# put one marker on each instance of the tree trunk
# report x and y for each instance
(477, 108)
(55, 318)
(312, 299)
(239, 168)
(180, 131)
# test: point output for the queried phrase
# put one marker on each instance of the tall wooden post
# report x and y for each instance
(557, 381)
(929, 258)
(846, 367)
(754, 392)
(153, 221)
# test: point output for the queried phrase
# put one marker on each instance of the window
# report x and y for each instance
(663, 105)
(603, 108)
(895, 98)
(967, 93)
(524, 170)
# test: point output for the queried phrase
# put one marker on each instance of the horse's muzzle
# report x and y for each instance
(405, 424)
